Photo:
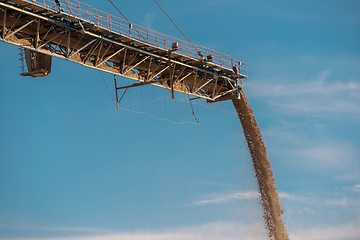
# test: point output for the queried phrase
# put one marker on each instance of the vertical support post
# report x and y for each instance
(149, 69)
(4, 24)
(215, 85)
(130, 27)
(124, 62)
(116, 93)
(172, 89)
(68, 50)
(171, 80)
(194, 84)
(37, 38)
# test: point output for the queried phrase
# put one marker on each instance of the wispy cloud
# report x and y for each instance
(343, 202)
(55, 229)
(210, 231)
(319, 107)
(316, 95)
(314, 153)
(316, 85)
(227, 197)
(236, 196)
(356, 188)
(289, 196)
(327, 155)
(210, 183)
(350, 231)
(224, 231)
(306, 210)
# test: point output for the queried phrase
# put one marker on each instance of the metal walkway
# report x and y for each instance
(88, 36)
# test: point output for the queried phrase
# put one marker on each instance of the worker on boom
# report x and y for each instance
(57, 2)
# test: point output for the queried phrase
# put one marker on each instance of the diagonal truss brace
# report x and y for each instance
(19, 29)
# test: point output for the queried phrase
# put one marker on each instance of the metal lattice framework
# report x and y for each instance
(82, 34)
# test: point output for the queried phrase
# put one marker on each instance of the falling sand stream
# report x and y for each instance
(272, 210)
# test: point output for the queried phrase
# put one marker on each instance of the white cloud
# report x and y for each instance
(338, 158)
(356, 188)
(288, 196)
(228, 197)
(343, 202)
(350, 231)
(323, 154)
(328, 156)
(235, 196)
(77, 230)
(223, 231)
(317, 85)
(306, 211)
(316, 95)
(210, 183)
(210, 231)
(335, 202)
(319, 107)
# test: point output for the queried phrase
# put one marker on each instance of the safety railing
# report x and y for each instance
(102, 19)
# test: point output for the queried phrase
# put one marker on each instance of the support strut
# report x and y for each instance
(116, 93)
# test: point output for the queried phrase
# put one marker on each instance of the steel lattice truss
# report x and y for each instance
(62, 34)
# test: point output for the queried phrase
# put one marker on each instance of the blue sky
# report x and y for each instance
(73, 167)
